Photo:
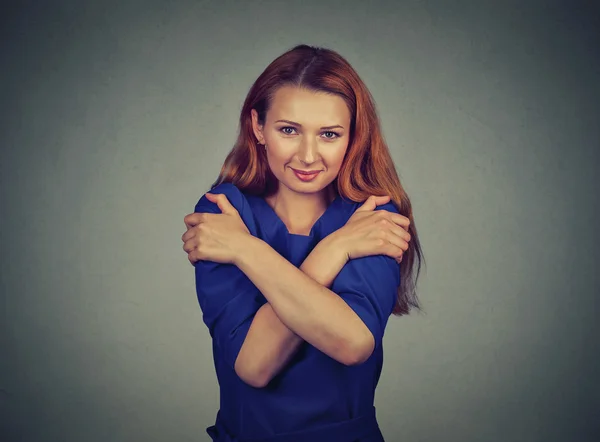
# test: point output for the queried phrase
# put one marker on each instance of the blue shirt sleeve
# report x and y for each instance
(228, 299)
(369, 285)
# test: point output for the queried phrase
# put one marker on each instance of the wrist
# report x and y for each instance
(326, 260)
(336, 244)
(246, 250)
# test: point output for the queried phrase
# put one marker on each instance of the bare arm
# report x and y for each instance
(307, 308)
(278, 327)
(270, 344)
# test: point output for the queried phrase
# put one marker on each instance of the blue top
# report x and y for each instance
(314, 397)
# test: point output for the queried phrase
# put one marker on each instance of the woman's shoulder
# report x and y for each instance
(234, 195)
(340, 211)
(244, 203)
(348, 207)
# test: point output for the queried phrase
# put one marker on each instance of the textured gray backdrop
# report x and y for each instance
(116, 117)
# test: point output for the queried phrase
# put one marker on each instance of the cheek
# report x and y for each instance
(276, 156)
(335, 159)
(277, 161)
(280, 153)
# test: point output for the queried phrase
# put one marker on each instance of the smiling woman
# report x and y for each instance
(302, 250)
(299, 150)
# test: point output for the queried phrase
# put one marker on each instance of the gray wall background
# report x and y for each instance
(116, 117)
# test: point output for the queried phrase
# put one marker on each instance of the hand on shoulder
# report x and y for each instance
(215, 231)
(375, 228)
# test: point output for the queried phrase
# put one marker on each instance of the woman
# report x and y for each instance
(297, 259)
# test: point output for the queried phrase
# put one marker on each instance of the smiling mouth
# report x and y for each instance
(306, 172)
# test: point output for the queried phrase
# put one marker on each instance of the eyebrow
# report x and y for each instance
(299, 125)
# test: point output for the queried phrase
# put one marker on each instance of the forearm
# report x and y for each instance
(306, 307)
(270, 344)
(325, 261)
(267, 348)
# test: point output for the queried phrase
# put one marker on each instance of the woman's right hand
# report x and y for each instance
(374, 232)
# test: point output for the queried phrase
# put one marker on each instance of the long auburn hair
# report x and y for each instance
(367, 168)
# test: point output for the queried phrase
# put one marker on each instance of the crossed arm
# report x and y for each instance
(270, 344)
(257, 339)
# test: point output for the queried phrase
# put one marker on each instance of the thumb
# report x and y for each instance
(372, 202)
(222, 202)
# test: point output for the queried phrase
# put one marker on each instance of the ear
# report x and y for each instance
(257, 127)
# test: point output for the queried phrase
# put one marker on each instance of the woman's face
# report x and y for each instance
(304, 131)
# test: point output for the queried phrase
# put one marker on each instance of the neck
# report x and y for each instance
(300, 211)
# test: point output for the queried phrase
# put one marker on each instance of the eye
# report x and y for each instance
(331, 135)
(285, 130)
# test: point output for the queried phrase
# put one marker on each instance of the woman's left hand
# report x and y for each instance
(215, 237)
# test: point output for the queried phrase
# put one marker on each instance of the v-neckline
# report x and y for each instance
(280, 222)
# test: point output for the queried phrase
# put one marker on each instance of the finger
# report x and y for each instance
(189, 246)
(372, 202)
(192, 219)
(368, 205)
(392, 250)
(188, 234)
(193, 258)
(400, 232)
(397, 242)
(400, 220)
(381, 200)
(223, 203)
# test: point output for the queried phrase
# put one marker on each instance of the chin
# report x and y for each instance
(308, 188)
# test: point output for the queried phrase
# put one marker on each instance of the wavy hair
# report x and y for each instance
(367, 168)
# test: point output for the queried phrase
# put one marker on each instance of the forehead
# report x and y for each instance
(308, 107)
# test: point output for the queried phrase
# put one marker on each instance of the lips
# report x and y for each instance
(306, 175)
(306, 172)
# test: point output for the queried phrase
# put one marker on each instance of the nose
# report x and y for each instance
(308, 153)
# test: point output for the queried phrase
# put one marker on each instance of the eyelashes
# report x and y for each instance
(336, 135)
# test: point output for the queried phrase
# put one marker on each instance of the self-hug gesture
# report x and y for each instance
(222, 237)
